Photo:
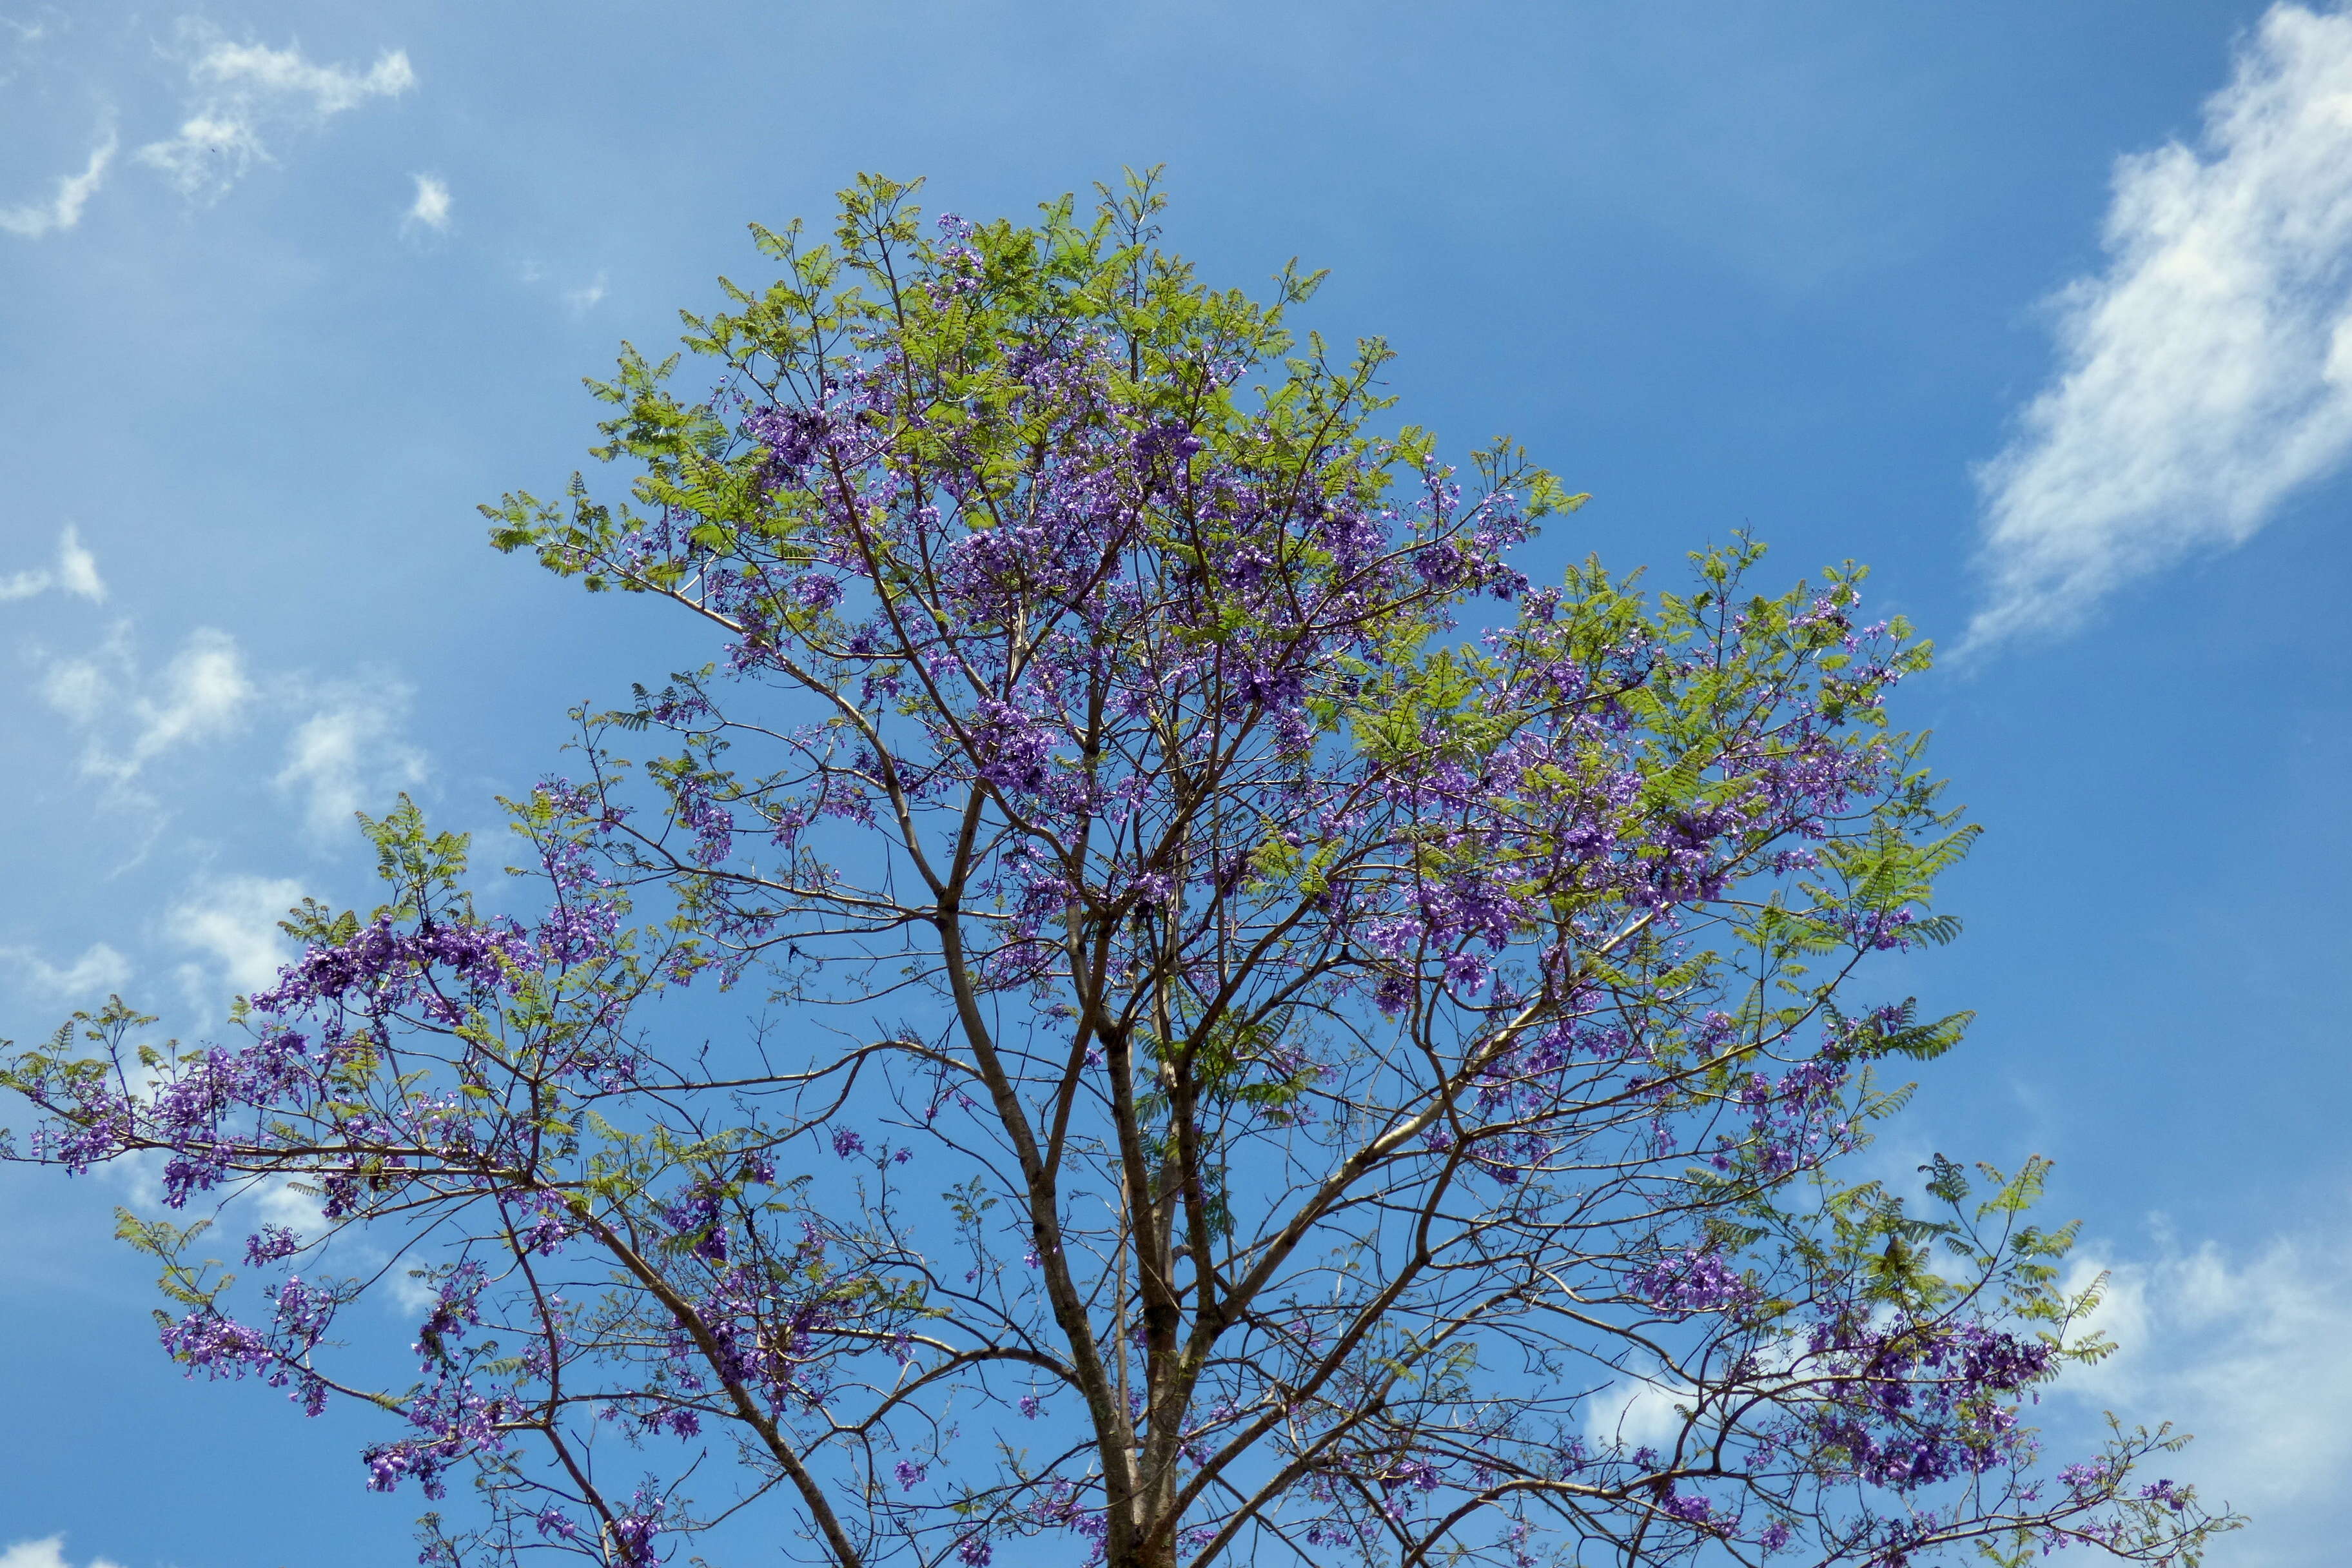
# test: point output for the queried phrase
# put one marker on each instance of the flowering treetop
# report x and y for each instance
(1250, 1073)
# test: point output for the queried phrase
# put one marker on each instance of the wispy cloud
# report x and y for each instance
(586, 298)
(431, 208)
(99, 970)
(341, 744)
(62, 211)
(2206, 374)
(75, 570)
(2247, 1353)
(20, 37)
(239, 89)
(350, 755)
(284, 72)
(1637, 1412)
(233, 922)
(203, 692)
(578, 301)
(49, 1552)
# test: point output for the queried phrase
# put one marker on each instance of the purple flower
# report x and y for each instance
(633, 1533)
(554, 1524)
(1692, 1281)
(270, 1243)
(791, 434)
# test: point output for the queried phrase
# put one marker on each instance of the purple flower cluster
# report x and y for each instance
(1914, 1402)
(454, 1421)
(436, 966)
(633, 1531)
(1693, 1281)
(209, 1341)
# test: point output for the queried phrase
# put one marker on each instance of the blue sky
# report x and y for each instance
(2045, 312)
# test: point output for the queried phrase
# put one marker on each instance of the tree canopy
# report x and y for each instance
(1155, 1001)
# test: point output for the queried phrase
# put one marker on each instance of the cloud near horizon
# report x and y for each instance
(2206, 374)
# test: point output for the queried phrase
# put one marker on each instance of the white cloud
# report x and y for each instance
(19, 38)
(233, 921)
(98, 971)
(62, 211)
(348, 756)
(137, 1179)
(431, 208)
(583, 300)
(1637, 1413)
(239, 88)
(77, 569)
(75, 572)
(280, 1203)
(26, 34)
(285, 73)
(203, 694)
(410, 1296)
(344, 743)
(2207, 373)
(49, 1552)
(211, 152)
(2247, 1354)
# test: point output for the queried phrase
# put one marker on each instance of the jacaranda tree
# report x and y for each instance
(1156, 1003)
